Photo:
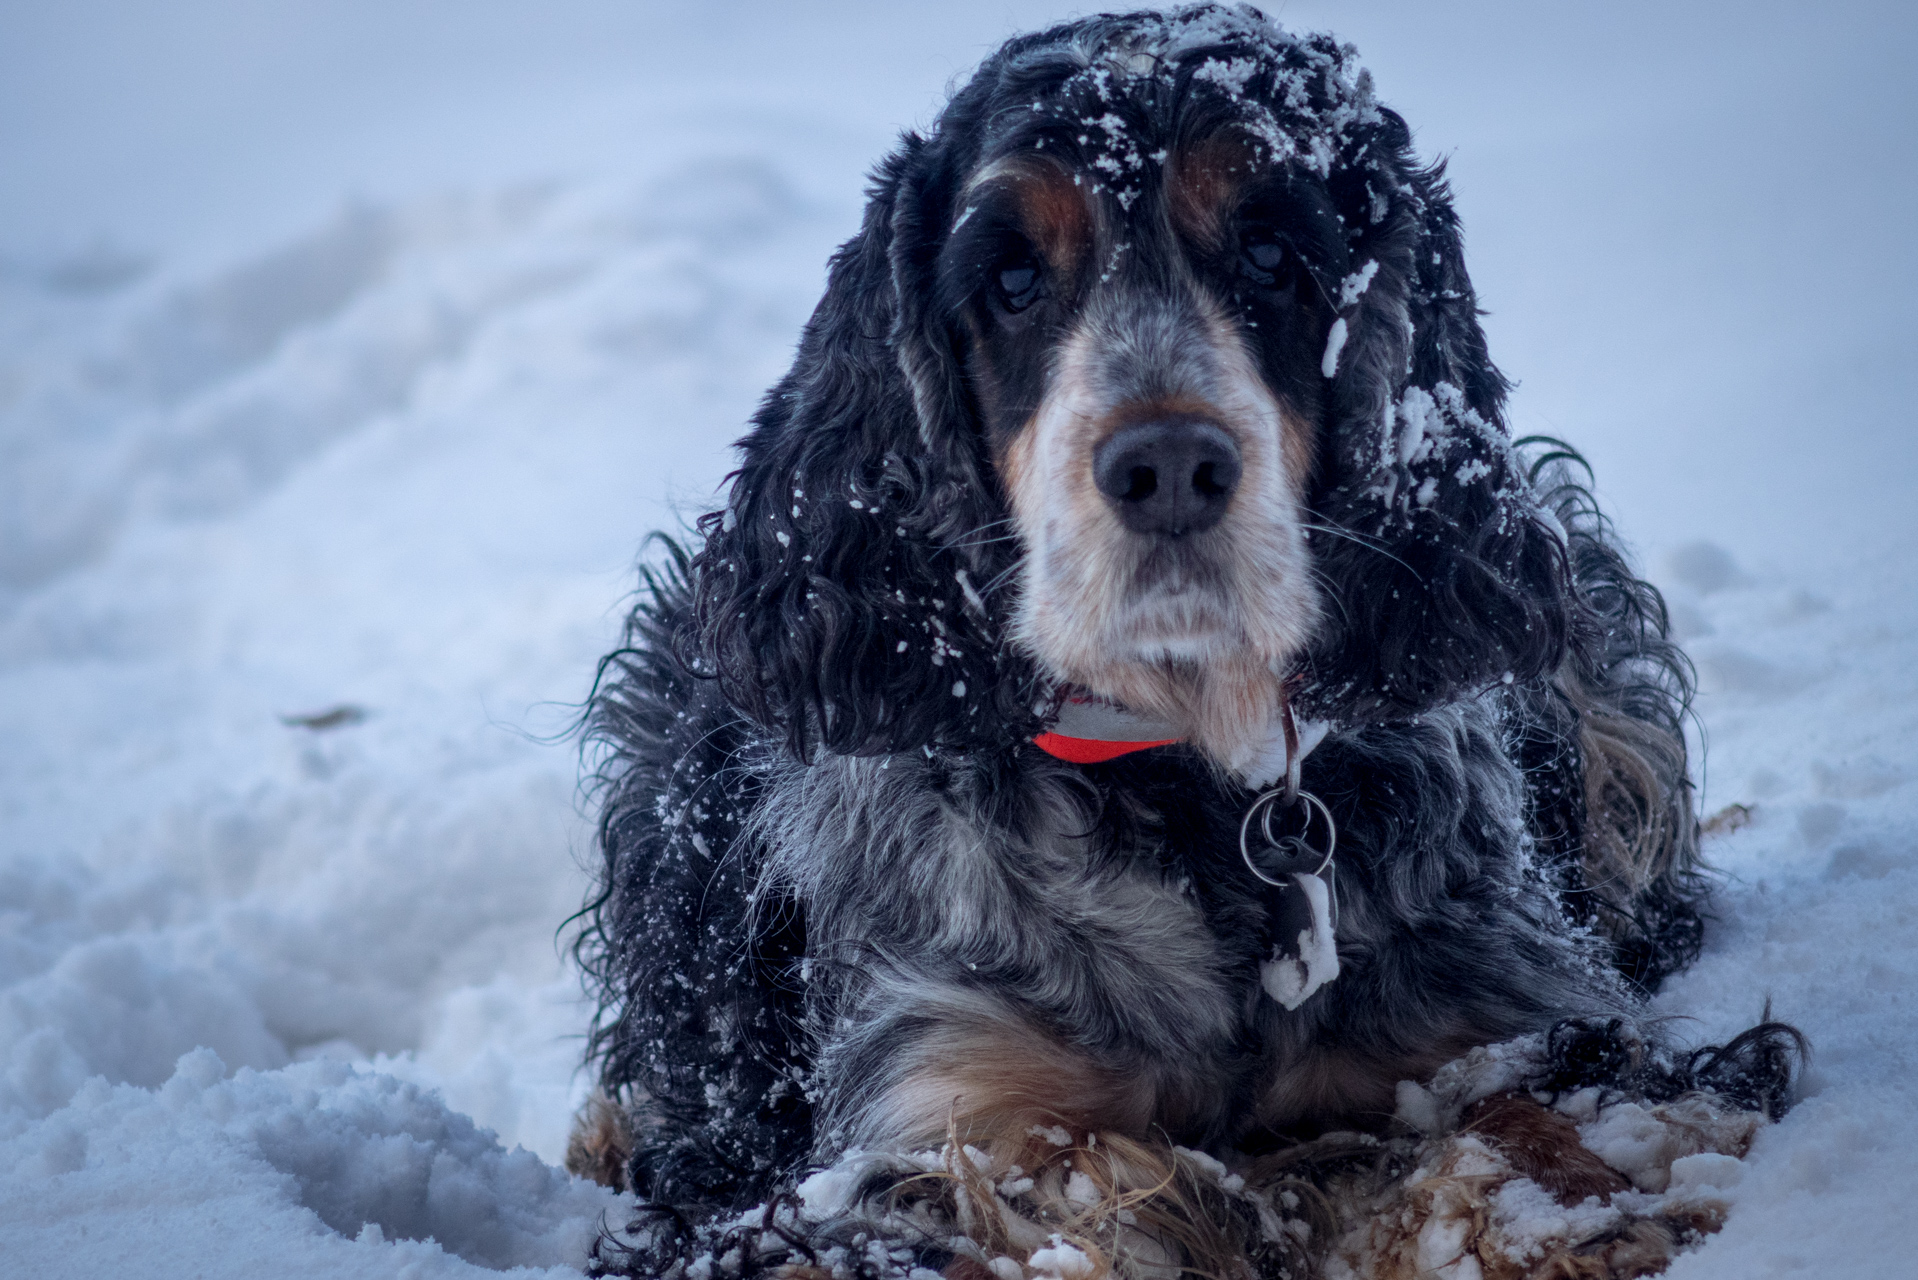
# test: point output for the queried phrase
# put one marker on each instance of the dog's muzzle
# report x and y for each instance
(1168, 477)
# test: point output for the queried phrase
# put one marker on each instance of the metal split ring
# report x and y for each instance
(1263, 808)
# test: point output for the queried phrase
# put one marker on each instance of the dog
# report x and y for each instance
(1137, 689)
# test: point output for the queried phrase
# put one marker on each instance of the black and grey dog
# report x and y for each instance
(1149, 405)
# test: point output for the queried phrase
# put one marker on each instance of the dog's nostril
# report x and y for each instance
(1129, 465)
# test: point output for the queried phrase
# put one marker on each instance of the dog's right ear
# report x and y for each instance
(1448, 577)
(840, 596)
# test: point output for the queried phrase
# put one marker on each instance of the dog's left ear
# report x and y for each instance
(843, 596)
(1449, 576)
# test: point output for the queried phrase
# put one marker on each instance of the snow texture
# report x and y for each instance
(346, 351)
(307, 1170)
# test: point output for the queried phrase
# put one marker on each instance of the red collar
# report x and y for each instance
(1092, 731)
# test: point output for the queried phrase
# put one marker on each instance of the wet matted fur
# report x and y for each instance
(848, 905)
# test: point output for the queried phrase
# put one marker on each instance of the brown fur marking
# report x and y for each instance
(1544, 1146)
(1007, 1078)
(601, 1144)
(1204, 178)
(1054, 212)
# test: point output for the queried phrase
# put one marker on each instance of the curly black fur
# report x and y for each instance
(704, 1006)
(1756, 1069)
(810, 702)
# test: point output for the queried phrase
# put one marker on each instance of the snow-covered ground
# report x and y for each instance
(347, 351)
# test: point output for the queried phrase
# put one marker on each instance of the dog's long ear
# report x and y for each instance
(842, 594)
(1448, 576)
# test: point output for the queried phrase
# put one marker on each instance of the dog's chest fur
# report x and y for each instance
(969, 879)
(1091, 939)
(967, 911)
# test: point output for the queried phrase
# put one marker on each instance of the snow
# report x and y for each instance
(347, 351)
(1529, 1218)
(1353, 287)
(1633, 1140)
(830, 1190)
(1334, 344)
(316, 1169)
(1062, 1260)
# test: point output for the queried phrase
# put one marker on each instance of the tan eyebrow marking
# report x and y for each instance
(1203, 178)
(1054, 211)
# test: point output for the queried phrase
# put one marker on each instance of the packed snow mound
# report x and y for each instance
(320, 1169)
(300, 560)
(305, 563)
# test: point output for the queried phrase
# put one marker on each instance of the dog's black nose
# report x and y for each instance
(1172, 476)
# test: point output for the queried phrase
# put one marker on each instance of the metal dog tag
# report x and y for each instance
(1305, 954)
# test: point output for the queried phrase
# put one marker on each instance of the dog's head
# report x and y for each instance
(1155, 370)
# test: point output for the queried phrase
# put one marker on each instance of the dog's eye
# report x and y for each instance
(1262, 257)
(1017, 284)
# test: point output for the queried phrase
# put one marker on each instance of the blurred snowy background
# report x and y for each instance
(347, 351)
